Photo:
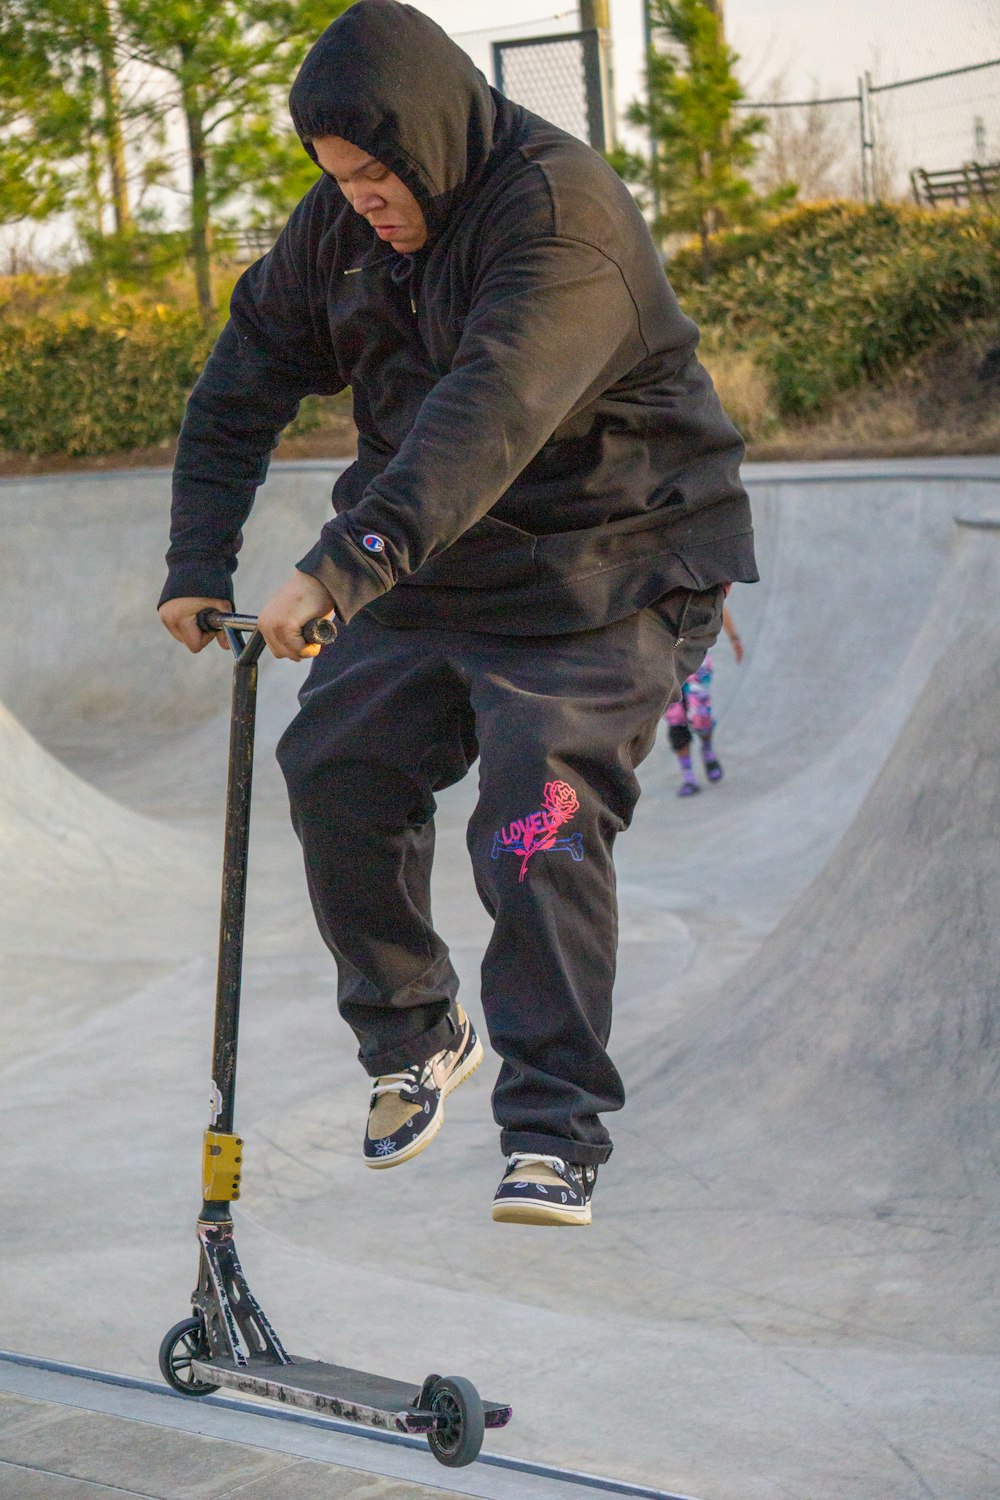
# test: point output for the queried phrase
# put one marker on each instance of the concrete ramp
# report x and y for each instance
(93, 898)
(789, 1288)
(75, 862)
(840, 1095)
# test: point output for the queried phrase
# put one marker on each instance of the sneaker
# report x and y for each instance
(407, 1108)
(712, 768)
(688, 789)
(544, 1190)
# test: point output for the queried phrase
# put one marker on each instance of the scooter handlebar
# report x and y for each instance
(315, 632)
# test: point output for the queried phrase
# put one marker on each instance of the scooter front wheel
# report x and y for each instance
(458, 1437)
(185, 1342)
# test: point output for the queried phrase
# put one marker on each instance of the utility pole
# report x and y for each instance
(595, 16)
(979, 136)
(869, 184)
(647, 31)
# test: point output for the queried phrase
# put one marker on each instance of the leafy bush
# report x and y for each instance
(97, 381)
(829, 295)
(28, 294)
(139, 262)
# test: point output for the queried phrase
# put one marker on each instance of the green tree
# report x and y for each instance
(230, 64)
(704, 146)
(42, 120)
(63, 118)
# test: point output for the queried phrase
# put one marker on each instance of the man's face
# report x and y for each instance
(374, 192)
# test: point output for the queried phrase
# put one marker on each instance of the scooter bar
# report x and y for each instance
(316, 632)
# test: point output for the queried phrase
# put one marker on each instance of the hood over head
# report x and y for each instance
(386, 78)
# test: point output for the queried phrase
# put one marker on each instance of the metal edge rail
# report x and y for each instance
(595, 1482)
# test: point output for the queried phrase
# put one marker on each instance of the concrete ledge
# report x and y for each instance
(68, 1431)
(984, 467)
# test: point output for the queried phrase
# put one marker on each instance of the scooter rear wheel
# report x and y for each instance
(185, 1342)
(462, 1424)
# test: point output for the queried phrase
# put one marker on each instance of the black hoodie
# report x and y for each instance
(539, 448)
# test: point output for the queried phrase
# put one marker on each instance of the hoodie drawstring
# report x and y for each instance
(403, 273)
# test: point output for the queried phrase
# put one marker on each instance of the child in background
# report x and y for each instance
(693, 710)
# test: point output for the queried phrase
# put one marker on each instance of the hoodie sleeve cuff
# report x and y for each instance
(198, 578)
(346, 573)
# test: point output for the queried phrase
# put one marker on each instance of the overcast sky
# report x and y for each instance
(824, 44)
(815, 47)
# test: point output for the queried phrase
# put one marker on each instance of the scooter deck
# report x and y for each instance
(333, 1391)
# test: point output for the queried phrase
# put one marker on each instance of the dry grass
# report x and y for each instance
(744, 390)
(886, 425)
(945, 402)
(335, 438)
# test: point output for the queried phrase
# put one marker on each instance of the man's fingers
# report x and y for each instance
(281, 622)
(280, 638)
(288, 612)
(180, 616)
(189, 635)
(288, 644)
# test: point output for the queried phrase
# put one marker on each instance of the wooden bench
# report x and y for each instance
(251, 242)
(962, 185)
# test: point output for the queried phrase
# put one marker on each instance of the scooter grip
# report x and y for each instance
(315, 632)
(319, 632)
(208, 620)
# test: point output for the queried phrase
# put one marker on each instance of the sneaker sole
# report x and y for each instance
(422, 1141)
(510, 1212)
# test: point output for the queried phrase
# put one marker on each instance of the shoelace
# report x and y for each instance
(406, 1082)
(584, 1177)
(532, 1158)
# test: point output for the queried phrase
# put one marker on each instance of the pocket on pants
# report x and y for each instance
(693, 619)
(691, 614)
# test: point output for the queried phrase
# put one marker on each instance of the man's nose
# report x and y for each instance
(367, 200)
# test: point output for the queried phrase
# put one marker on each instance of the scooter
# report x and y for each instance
(228, 1341)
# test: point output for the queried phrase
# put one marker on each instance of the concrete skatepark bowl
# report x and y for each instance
(790, 1288)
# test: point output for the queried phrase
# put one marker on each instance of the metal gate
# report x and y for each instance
(563, 78)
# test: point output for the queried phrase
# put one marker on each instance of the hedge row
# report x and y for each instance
(829, 295)
(92, 382)
(820, 299)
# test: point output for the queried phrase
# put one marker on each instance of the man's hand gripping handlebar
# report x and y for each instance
(295, 623)
(315, 633)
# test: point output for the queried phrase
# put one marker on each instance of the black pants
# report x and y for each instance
(559, 723)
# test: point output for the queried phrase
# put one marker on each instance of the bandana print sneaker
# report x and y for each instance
(407, 1108)
(544, 1190)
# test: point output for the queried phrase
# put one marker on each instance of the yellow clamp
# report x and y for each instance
(221, 1167)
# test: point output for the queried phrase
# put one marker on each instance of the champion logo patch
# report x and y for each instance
(373, 543)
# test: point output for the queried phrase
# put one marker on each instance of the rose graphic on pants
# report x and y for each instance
(539, 831)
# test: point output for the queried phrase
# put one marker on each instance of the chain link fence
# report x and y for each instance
(561, 78)
(888, 140)
(938, 123)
